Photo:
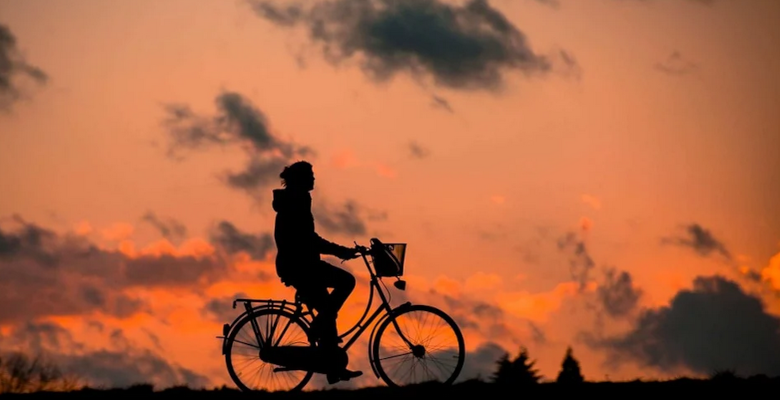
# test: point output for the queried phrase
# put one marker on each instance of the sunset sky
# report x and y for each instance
(601, 174)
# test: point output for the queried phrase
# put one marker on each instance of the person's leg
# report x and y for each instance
(342, 282)
(316, 297)
(327, 305)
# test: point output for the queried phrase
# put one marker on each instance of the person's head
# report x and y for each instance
(298, 175)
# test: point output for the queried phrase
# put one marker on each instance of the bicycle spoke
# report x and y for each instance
(243, 358)
(436, 353)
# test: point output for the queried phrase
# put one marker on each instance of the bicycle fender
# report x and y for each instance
(279, 305)
(400, 308)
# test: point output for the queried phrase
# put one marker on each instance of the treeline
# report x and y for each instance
(521, 370)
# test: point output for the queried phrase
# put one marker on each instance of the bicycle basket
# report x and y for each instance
(388, 258)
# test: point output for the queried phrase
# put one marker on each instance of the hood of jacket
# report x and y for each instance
(285, 200)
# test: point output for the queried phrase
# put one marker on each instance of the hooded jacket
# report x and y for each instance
(298, 245)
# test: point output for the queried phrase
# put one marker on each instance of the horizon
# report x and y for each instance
(599, 174)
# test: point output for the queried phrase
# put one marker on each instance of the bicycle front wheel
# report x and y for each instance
(248, 371)
(418, 344)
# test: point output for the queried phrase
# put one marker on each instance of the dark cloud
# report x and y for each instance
(237, 122)
(676, 64)
(418, 151)
(714, 326)
(121, 365)
(233, 241)
(221, 309)
(344, 219)
(169, 228)
(13, 67)
(580, 262)
(702, 2)
(45, 273)
(481, 363)
(700, 240)
(476, 315)
(468, 46)
(617, 295)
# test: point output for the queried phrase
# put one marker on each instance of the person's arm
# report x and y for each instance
(328, 247)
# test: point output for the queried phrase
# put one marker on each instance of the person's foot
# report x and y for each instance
(344, 375)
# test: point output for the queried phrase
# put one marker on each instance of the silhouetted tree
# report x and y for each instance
(570, 369)
(523, 368)
(503, 374)
(519, 371)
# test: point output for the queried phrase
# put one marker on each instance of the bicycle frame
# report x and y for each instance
(383, 311)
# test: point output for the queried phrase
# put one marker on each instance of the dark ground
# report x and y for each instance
(471, 390)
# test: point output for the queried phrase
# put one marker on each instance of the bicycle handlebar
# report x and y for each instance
(362, 249)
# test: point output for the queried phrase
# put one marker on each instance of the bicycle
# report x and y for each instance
(295, 362)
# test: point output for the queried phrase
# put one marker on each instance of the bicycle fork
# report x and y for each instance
(417, 350)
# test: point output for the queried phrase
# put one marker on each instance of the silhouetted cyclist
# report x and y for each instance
(298, 261)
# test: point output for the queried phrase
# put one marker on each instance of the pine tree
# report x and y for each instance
(570, 369)
(523, 369)
(503, 374)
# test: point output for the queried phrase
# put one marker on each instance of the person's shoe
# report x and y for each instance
(344, 375)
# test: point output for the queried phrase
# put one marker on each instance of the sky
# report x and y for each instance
(600, 174)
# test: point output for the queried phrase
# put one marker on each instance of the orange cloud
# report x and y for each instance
(537, 306)
(195, 247)
(83, 228)
(448, 286)
(771, 273)
(118, 231)
(483, 281)
(498, 199)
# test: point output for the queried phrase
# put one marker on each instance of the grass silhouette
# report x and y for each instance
(35, 377)
(471, 389)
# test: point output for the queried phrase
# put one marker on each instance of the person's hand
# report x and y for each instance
(349, 254)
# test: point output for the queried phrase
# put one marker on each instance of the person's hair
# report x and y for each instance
(295, 172)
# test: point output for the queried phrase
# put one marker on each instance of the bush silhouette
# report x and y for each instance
(21, 374)
(519, 371)
(570, 369)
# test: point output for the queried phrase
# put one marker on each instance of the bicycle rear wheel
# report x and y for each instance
(242, 356)
(435, 352)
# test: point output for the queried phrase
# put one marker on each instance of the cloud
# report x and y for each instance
(233, 241)
(481, 363)
(462, 47)
(344, 219)
(676, 64)
(580, 262)
(713, 326)
(47, 274)
(221, 309)
(14, 67)
(700, 240)
(237, 122)
(169, 228)
(771, 273)
(618, 295)
(119, 365)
